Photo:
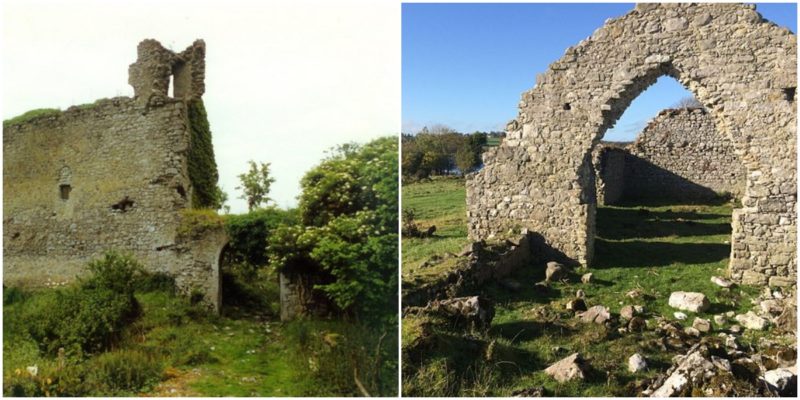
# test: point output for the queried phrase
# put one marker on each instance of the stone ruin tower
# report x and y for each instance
(742, 68)
(112, 175)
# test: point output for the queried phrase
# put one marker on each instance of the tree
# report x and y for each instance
(688, 102)
(256, 185)
(347, 236)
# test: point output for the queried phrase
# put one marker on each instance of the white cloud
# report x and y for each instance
(284, 80)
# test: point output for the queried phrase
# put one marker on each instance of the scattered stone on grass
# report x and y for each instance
(680, 316)
(554, 272)
(719, 319)
(569, 368)
(752, 321)
(636, 363)
(637, 324)
(627, 312)
(576, 305)
(689, 301)
(587, 278)
(783, 381)
(721, 282)
(535, 391)
(702, 325)
(596, 314)
(473, 309)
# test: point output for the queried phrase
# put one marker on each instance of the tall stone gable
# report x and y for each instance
(742, 68)
(112, 175)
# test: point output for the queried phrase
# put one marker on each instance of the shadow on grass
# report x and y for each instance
(523, 331)
(620, 223)
(638, 254)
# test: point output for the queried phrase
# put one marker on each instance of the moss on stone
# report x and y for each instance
(202, 166)
(29, 115)
(194, 222)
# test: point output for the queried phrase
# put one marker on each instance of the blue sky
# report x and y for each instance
(466, 65)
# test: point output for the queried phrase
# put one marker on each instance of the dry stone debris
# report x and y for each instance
(554, 271)
(587, 278)
(597, 314)
(751, 320)
(702, 325)
(636, 363)
(567, 369)
(721, 282)
(689, 301)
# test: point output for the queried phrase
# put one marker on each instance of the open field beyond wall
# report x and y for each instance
(654, 250)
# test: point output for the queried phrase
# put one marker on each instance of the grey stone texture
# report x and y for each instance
(739, 66)
(679, 155)
(123, 163)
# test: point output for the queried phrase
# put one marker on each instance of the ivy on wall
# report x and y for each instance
(202, 166)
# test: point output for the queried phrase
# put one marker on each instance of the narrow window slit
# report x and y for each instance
(64, 190)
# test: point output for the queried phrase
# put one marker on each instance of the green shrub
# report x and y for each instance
(13, 295)
(87, 318)
(115, 271)
(126, 371)
(155, 282)
(250, 233)
(79, 320)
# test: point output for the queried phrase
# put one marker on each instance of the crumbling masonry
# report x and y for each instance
(739, 66)
(111, 176)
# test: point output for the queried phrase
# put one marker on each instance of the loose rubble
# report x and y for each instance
(569, 368)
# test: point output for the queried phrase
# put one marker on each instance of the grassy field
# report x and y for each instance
(193, 353)
(652, 250)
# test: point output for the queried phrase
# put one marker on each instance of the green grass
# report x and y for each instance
(206, 355)
(440, 202)
(652, 249)
(29, 115)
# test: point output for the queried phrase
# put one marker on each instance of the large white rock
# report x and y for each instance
(636, 363)
(752, 321)
(689, 301)
(780, 379)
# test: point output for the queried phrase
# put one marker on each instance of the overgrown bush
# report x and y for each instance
(123, 372)
(13, 295)
(87, 318)
(250, 234)
(348, 230)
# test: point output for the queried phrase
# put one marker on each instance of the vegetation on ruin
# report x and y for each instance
(125, 332)
(347, 236)
(29, 115)
(651, 250)
(202, 166)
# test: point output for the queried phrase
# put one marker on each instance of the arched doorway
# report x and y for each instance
(740, 67)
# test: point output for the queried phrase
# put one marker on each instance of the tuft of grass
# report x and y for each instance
(29, 115)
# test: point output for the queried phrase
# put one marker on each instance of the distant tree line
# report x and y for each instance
(440, 150)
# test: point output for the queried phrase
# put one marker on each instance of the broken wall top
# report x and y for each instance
(150, 74)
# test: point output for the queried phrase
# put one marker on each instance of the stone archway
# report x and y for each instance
(741, 67)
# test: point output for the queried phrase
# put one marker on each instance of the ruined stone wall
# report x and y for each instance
(109, 176)
(739, 66)
(609, 164)
(680, 155)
